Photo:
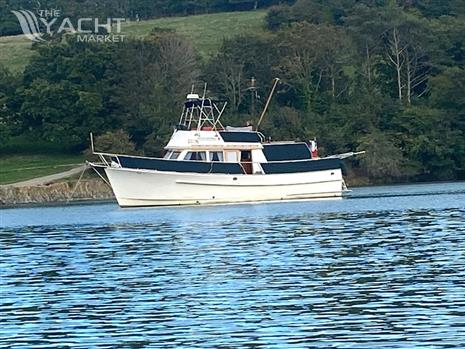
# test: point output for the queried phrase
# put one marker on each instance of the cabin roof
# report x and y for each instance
(184, 140)
(240, 136)
(286, 151)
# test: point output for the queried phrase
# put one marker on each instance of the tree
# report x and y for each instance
(116, 142)
(240, 59)
(390, 35)
(60, 113)
(285, 123)
(447, 94)
(447, 90)
(438, 8)
(366, 24)
(65, 92)
(310, 11)
(312, 54)
(384, 159)
(406, 52)
(428, 137)
(178, 63)
(157, 73)
(278, 17)
(8, 84)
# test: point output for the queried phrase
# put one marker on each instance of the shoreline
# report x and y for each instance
(96, 192)
(55, 194)
(87, 202)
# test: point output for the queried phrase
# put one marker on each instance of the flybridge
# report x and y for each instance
(201, 113)
(204, 114)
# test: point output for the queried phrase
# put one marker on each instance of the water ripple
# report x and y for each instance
(391, 279)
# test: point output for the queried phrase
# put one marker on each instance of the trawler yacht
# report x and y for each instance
(207, 163)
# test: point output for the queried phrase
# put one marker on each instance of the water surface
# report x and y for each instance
(384, 268)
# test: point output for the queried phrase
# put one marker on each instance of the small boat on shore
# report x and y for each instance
(207, 163)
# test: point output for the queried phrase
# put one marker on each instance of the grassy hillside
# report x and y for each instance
(15, 52)
(205, 31)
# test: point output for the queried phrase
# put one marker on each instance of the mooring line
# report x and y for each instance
(77, 183)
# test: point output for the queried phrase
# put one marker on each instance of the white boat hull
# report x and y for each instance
(137, 188)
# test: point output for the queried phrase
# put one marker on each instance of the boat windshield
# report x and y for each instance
(196, 156)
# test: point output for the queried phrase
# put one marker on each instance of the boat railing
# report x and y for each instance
(110, 160)
(113, 159)
(262, 137)
(116, 156)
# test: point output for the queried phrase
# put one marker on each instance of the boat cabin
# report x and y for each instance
(201, 144)
(201, 137)
(244, 147)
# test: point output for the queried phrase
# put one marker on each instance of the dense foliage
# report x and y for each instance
(377, 75)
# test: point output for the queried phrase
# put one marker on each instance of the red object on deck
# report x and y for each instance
(314, 149)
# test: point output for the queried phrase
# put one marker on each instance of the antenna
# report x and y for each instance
(200, 123)
(253, 94)
(276, 80)
(92, 143)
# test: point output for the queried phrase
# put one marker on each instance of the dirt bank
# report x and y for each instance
(87, 190)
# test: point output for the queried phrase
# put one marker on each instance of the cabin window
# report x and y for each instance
(246, 156)
(216, 156)
(168, 155)
(232, 156)
(174, 155)
(196, 156)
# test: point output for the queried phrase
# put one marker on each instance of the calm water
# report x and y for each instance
(384, 268)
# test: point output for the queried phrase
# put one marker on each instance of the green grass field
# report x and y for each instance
(15, 52)
(206, 32)
(17, 168)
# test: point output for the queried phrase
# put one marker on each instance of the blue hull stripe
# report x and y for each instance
(226, 168)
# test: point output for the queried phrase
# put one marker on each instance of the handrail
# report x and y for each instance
(262, 137)
(242, 167)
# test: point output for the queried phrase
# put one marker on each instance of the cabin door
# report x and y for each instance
(246, 161)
